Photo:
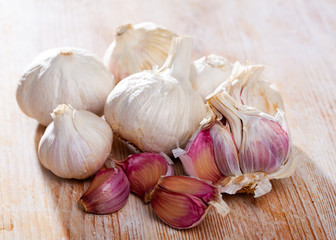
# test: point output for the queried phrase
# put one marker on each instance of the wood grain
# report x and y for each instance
(295, 40)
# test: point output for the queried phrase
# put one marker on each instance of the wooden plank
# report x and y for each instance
(296, 42)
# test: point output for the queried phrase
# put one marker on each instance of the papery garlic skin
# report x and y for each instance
(247, 86)
(183, 202)
(156, 110)
(108, 192)
(137, 48)
(208, 72)
(76, 144)
(63, 75)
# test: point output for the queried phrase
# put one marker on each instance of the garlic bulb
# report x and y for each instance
(248, 87)
(155, 110)
(241, 148)
(63, 75)
(208, 72)
(76, 144)
(136, 48)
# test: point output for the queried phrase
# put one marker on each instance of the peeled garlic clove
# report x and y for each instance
(144, 171)
(198, 160)
(247, 87)
(63, 75)
(208, 72)
(225, 150)
(136, 48)
(76, 144)
(182, 202)
(108, 192)
(155, 110)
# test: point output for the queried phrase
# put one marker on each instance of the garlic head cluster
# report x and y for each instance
(63, 75)
(136, 48)
(208, 72)
(76, 144)
(157, 109)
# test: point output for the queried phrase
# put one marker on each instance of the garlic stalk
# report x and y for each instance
(241, 148)
(247, 86)
(183, 202)
(107, 193)
(136, 48)
(144, 171)
(155, 110)
(76, 144)
(63, 75)
(208, 72)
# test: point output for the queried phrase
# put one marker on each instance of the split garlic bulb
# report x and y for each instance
(76, 144)
(239, 148)
(208, 72)
(136, 48)
(248, 87)
(157, 109)
(63, 75)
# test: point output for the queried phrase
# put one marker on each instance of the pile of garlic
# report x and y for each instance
(222, 120)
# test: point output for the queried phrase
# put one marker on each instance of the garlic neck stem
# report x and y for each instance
(179, 58)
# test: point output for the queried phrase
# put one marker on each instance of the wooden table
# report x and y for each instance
(295, 40)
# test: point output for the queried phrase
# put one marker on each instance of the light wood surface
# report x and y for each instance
(295, 40)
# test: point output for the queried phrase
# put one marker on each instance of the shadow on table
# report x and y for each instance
(247, 216)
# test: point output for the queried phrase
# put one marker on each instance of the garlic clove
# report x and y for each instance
(63, 75)
(108, 192)
(137, 48)
(144, 171)
(188, 185)
(182, 202)
(156, 110)
(265, 146)
(198, 160)
(178, 210)
(208, 72)
(76, 144)
(225, 150)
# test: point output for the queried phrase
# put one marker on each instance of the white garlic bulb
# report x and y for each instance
(76, 144)
(208, 72)
(157, 109)
(63, 75)
(247, 86)
(136, 48)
